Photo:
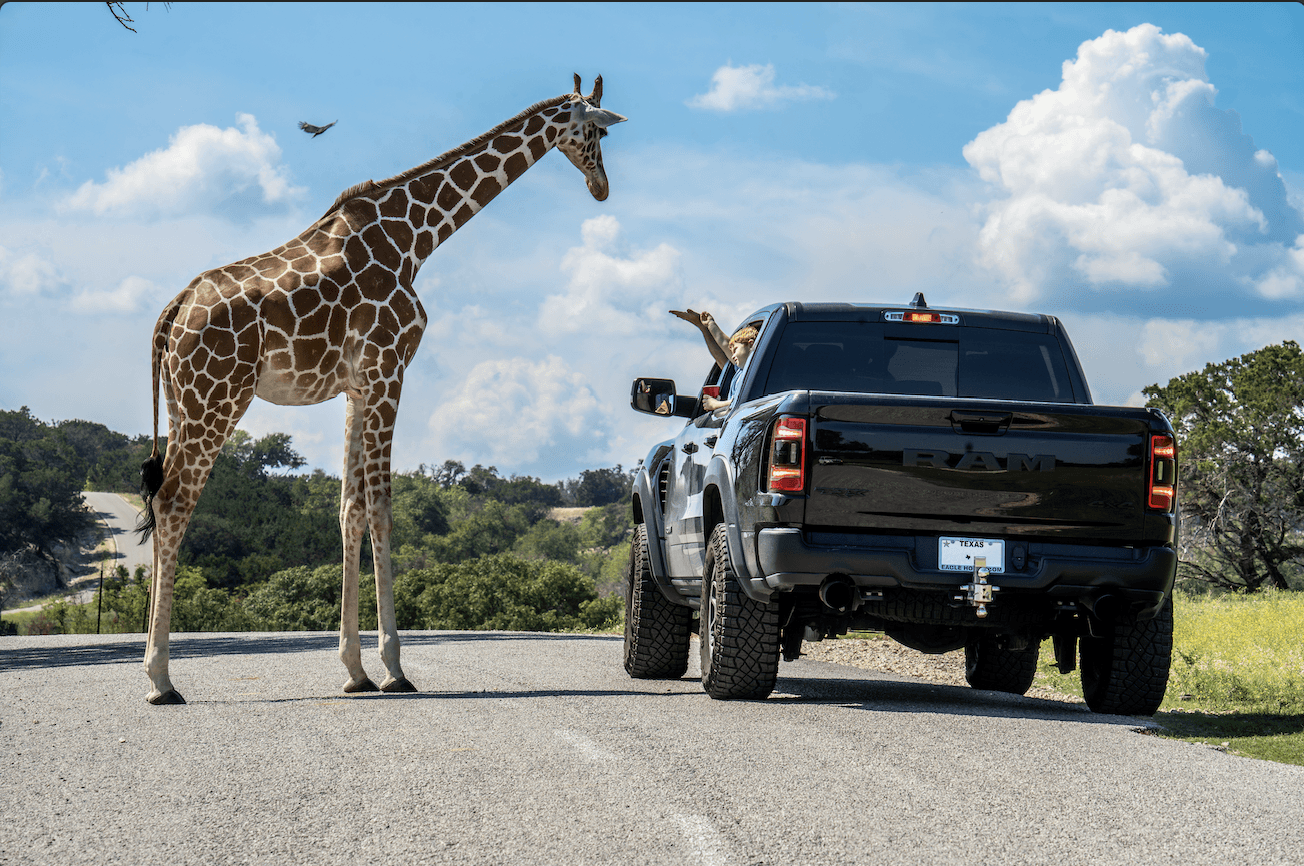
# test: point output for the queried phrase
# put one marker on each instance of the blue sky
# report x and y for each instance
(1136, 169)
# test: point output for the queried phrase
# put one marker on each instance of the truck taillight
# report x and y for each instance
(788, 456)
(1163, 473)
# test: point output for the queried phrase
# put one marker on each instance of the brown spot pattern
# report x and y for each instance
(330, 311)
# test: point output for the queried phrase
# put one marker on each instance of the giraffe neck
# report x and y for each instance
(420, 209)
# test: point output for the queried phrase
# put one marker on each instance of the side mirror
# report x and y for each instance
(658, 397)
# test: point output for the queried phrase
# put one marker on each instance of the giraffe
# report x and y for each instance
(331, 312)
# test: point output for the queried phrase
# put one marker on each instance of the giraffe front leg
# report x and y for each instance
(353, 516)
(376, 450)
(385, 617)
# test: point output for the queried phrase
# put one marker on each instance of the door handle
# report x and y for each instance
(688, 447)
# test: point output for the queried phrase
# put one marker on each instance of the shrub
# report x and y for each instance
(501, 593)
(304, 599)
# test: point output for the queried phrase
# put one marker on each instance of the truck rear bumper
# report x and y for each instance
(789, 559)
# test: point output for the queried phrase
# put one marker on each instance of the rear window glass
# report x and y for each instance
(873, 357)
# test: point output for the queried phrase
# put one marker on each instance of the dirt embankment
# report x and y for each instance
(75, 564)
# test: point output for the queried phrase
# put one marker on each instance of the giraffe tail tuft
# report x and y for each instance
(151, 479)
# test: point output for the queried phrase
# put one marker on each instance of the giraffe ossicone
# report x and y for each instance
(331, 312)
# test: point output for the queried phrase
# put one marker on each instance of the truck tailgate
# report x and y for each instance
(977, 467)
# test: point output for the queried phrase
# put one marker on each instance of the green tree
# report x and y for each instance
(501, 593)
(419, 510)
(112, 460)
(252, 522)
(607, 525)
(1240, 430)
(491, 528)
(41, 480)
(599, 486)
(548, 539)
(307, 599)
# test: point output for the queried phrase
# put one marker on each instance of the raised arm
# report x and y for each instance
(716, 341)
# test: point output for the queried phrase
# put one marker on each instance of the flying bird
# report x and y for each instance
(315, 131)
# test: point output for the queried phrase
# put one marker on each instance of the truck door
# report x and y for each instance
(685, 542)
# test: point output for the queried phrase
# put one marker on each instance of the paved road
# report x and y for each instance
(120, 516)
(529, 749)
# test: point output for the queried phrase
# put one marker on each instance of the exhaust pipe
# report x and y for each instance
(1108, 608)
(839, 593)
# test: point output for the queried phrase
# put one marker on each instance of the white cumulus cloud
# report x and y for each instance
(735, 88)
(1128, 176)
(515, 408)
(27, 274)
(607, 292)
(125, 297)
(204, 169)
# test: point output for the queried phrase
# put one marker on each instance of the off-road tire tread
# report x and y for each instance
(742, 658)
(656, 629)
(1127, 674)
(987, 666)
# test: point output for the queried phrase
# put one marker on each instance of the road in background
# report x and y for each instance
(120, 517)
(537, 748)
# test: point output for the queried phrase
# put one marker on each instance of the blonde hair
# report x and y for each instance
(746, 336)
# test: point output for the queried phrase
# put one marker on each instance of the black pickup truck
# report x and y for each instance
(940, 475)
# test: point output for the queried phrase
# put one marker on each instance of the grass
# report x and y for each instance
(1237, 680)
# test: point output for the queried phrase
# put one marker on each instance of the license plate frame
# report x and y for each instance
(957, 553)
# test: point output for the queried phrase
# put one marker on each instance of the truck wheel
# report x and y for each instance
(656, 629)
(1127, 672)
(739, 637)
(988, 666)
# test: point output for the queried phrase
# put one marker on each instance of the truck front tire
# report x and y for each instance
(739, 636)
(1126, 672)
(656, 629)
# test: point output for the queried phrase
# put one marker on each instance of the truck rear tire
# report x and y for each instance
(988, 666)
(739, 636)
(1126, 673)
(656, 629)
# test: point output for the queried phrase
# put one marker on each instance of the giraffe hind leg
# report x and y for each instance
(195, 437)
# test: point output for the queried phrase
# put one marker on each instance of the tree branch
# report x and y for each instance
(120, 13)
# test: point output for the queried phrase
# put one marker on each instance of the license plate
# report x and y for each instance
(958, 554)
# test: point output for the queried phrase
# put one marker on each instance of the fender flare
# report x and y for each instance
(720, 478)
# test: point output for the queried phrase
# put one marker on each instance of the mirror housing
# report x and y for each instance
(658, 397)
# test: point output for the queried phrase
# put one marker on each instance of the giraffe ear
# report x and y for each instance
(577, 81)
(603, 118)
(595, 98)
(600, 117)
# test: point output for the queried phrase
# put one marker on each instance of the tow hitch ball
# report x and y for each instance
(979, 593)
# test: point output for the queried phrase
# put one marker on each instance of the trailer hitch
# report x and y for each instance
(979, 593)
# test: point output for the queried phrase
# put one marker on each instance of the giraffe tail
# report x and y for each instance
(151, 471)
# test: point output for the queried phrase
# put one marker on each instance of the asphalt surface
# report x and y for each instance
(537, 748)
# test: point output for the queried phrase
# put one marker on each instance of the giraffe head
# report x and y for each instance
(580, 139)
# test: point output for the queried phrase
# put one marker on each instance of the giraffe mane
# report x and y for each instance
(371, 186)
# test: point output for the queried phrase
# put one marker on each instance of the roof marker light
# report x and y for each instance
(920, 317)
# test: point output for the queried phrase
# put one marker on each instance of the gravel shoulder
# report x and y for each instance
(885, 655)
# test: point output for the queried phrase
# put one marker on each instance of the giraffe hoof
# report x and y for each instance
(363, 685)
(397, 686)
(171, 696)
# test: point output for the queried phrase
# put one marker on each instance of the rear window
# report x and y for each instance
(922, 360)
